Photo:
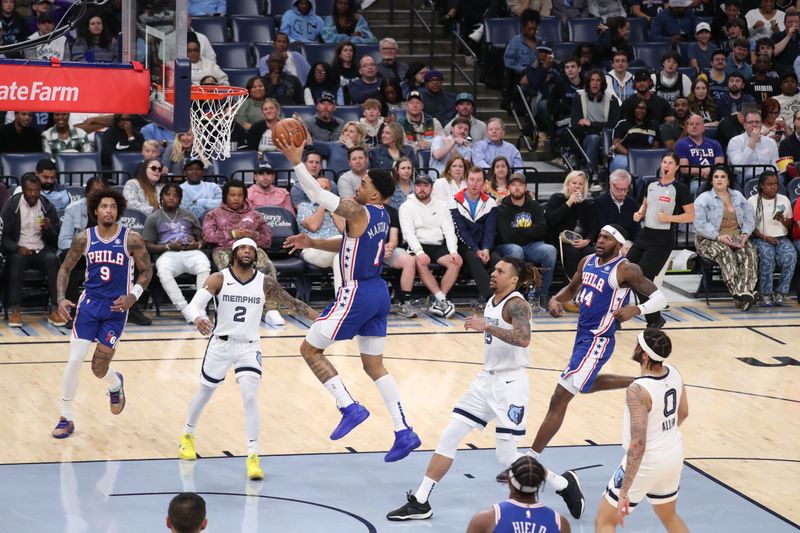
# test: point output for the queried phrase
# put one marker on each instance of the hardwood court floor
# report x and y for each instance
(742, 372)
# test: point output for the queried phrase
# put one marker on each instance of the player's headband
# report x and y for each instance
(244, 241)
(648, 350)
(614, 233)
(517, 485)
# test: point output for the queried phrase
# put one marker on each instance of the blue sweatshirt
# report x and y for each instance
(299, 27)
(201, 197)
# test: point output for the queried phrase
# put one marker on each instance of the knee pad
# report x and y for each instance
(453, 434)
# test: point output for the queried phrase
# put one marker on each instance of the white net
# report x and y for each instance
(212, 113)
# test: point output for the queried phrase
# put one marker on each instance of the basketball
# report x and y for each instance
(291, 130)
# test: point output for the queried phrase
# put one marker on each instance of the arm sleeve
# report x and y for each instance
(315, 192)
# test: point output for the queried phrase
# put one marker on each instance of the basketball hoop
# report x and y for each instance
(211, 116)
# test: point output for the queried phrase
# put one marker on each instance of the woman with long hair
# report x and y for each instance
(346, 24)
(415, 78)
(250, 111)
(723, 225)
(667, 203)
(403, 174)
(571, 220)
(345, 66)
(391, 148)
(773, 126)
(390, 95)
(615, 37)
(180, 153)
(142, 192)
(453, 179)
(321, 80)
(95, 43)
(497, 184)
(773, 216)
(259, 136)
(637, 130)
(701, 103)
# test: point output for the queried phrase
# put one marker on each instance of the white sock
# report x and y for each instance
(440, 296)
(339, 391)
(506, 451)
(248, 386)
(78, 348)
(196, 407)
(391, 397)
(425, 489)
(556, 481)
(112, 381)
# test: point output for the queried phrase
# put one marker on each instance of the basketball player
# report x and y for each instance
(234, 341)
(499, 392)
(602, 285)
(522, 511)
(655, 407)
(361, 306)
(111, 251)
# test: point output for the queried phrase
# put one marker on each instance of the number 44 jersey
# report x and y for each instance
(240, 305)
(600, 296)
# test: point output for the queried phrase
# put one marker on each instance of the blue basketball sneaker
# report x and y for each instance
(405, 442)
(352, 415)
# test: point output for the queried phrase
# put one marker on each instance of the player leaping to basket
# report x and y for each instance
(361, 306)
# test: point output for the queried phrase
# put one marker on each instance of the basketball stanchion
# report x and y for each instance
(211, 115)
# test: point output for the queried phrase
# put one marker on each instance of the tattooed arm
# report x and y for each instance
(355, 214)
(516, 311)
(639, 403)
(74, 253)
(274, 291)
(141, 258)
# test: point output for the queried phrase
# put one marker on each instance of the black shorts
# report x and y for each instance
(435, 251)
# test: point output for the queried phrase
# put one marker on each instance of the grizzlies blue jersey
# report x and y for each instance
(600, 296)
(360, 258)
(513, 517)
(109, 266)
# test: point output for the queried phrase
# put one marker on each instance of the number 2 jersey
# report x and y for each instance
(109, 266)
(663, 435)
(239, 306)
(600, 296)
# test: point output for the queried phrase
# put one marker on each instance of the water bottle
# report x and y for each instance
(533, 300)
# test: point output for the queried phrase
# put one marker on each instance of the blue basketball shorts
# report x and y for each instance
(94, 320)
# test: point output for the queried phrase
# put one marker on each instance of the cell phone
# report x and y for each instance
(780, 209)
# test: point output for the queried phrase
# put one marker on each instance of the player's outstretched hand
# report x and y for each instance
(555, 308)
(204, 325)
(293, 153)
(123, 303)
(301, 241)
(626, 313)
(623, 509)
(64, 306)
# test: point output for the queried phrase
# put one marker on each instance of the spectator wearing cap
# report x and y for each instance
(51, 189)
(420, 127)
(264, 192)
(493, 146)
(669, 83)
(368, 84)
(765, 20)
(789, 99)
(324, 126)
(199, 196)
(319, 223)
(390, 67)
(285, 88)
(702, 49)
(439, 103)
(738, 58)
(39, 7)
(519, 53)
(658, 108)
(736, 98)
(465, 105)
(538, 79)
(675, 24)
(427, 228)
(446, 146)
(522, 230)
(57, 48)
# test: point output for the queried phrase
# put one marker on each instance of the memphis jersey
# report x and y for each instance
(109, 266)
(239, 306)
(663, 434)
(600, 296)
(360, 258)
(497, 354)
(514, 517)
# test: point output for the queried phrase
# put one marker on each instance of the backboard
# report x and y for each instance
(154, 33)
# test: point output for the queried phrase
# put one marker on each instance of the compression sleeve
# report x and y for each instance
(315, 192)
(656, 302)
(197, 307)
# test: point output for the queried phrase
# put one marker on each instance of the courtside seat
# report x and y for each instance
(20, 164)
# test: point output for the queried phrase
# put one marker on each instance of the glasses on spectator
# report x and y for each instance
(754, 122)
(155, 168)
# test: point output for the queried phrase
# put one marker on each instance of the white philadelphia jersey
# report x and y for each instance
(497, 354)
(663, 434)
(239, 307)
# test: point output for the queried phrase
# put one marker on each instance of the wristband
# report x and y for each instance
(137, 291)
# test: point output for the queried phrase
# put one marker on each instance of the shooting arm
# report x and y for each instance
(74, 253)
(637, 407)
(518, 312)
(274, 291)
(315, 192)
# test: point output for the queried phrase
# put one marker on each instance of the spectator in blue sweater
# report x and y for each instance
(675, 24)
(520, 52)
(207, 8)
(301, 24)
(346, 24)
(199, 196)
(366, 86)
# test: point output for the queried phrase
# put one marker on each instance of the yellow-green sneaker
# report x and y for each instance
(254, 467)
(186, 448)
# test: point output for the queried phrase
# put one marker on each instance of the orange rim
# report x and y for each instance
(216, 92)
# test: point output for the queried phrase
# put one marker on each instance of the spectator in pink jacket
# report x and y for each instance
(264, 191)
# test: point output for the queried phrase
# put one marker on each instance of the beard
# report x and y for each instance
(637, 355)
(243, 263)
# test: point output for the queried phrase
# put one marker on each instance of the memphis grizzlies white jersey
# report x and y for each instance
(497, 354)
(239, 307)
(663, 434)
